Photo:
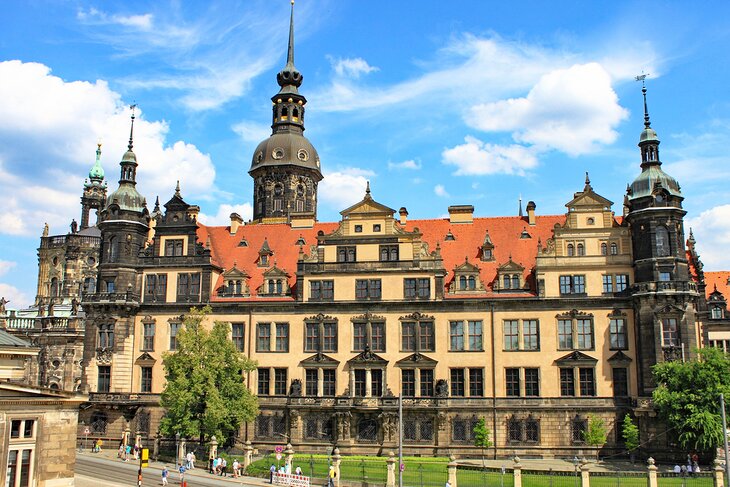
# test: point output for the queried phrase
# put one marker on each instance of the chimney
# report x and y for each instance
(236, 221)
(403, 215)
(461, 214)
(531, 212)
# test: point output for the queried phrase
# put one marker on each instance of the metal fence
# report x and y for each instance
(667, 479)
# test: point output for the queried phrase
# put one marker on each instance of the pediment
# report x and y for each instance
(466, 267)
(145, 358)
(367, 357)
(589, 200)
(368, 206)
(510, 266)
(417, 359)
(319, 360)
(235, 273)
(576, 358)
(620, 357)
(275, 272)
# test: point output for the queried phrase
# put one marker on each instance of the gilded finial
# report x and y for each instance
(642, 78)
(131, 130)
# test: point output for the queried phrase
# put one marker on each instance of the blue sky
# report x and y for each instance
(436, 103)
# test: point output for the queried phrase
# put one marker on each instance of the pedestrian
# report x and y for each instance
(189, 460)
(272, 471)
(165, 474)
(684, 470)
(677, 469)
(215, 466)
(127, 451)
(120, 452)
(136, 452)
(696, 468)
(447, 484)
(223, 465)
(236, 467)
(298, 470)
(192, 460)
(331, 477)
(181, 469)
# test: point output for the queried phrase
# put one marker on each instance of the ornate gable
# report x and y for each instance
(575, 359)
(417, 360)
(466, 279)
(276, 283)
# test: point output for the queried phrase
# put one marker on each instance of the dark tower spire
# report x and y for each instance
(129, 160)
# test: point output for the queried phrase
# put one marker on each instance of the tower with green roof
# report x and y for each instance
(94, 194)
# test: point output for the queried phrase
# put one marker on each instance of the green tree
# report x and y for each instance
(688, 394)
(630, 434)
(205, 393)
(595, 433)
(481, 436)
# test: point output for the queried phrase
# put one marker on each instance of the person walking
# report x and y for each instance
(188, 460)
(331, 477)
(272, 471)
(223, 465)
(236, 468)
(165, 474)
(192, 460)
(181, 469)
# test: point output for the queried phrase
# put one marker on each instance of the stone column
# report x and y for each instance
(336, 459)
(182, 450)
(352, 383)
(651, 481)
(247, 455)
(289, 458)
(138, 440)
(368, 383)
(451, 469)
(585, 475)
(156, 447)
(517, 473)
(212, 451)
(390, 475)
(718, 475)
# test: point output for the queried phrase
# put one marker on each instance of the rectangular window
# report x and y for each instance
(457, 335)
(426, 337)
(565, 285)
(280, 380)
(617, 329)
(106, 336)
(311, 337)
(148, 339)
(511, 334)
(237, 330)
(264, 382)
(104, 378)
(311, 382)
(417, 288)
(408, 336)
(174, 328)
(622, 282)
(376, 383)
(457, 383)
(155, 287)
(173, 247)
(377, 336)
(282, 337)
(146, 380)
(475, 335)
(328, 382)
(367, 289)
(512, 382)
(476, 382)
(670, 334)
(329, 342)
(263, 337)
(565, 334)
(620, 382)
(665, 276)
(388, 253)
(607, 283)
(426, 376)
(359, 334)
(584, 329)
(532, 382)
(530, 335)
(579, 284)
(587, 382)
(188, 286)
(360, 384)
(572, 284)
(346, 254)
(567, 382)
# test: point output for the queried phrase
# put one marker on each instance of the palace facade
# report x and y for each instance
(534, 322)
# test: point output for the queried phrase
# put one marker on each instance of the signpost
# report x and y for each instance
(143, 462)
(86, 439)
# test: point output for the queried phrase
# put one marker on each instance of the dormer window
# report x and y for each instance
(717, 313)
(487, 254)
(264, 260)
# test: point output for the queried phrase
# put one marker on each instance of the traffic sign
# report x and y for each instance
(402, 467)
(279, 449)
(278, 456)
(86, 431)
(144, 458)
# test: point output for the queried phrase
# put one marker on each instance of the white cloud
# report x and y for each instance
(95, 16)
(409, 164)
(477, 158)
(6, 265)
(439, 190)
(16, 298)
(711, 229)
(223, 217)
(49, 123)
(341, 189)
(252, 131)
(572, 110)
(351, 67)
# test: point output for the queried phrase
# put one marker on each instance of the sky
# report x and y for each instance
(436, 103)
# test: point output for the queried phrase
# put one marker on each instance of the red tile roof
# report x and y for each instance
(717, 279)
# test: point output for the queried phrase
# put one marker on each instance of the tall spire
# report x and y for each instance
(290, 51)
(131, 130)
(290, 78)
(648, 140)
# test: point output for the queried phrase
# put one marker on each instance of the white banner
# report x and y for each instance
(291, 479)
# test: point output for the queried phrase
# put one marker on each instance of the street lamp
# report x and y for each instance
(576, 462)
(177, 448)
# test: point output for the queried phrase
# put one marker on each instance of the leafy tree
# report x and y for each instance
(595, 433)
(630, 434)
(481, 436)
(205, 393)
(688, 394)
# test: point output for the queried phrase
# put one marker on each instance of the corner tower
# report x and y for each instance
(664, 292)
(285, 167)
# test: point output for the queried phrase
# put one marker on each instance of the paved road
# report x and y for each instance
(93, 471)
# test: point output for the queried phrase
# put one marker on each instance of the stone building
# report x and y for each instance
(534, 322)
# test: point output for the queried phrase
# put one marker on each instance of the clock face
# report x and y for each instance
(303, 155)
(278, 153)
(660, 197)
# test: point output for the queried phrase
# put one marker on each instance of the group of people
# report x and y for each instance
(285, 469)
(125, 451)
(219, 466)
(692, 467)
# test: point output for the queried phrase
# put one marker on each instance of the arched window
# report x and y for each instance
(462, 282)
(271, 286)
(506, 281)
(384, 254)
(515, 281)
(394, 253)
(604, 249)
(295, 113)
(662, 242)
(571, 250)
(278, 286)
(717, 313)
(614, 249)
(284, 113)
(472, 283)
(351, 254)
(581, 249)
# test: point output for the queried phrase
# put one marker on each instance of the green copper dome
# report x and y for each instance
(649, 178)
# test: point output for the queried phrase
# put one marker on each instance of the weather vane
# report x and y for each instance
(641, 78)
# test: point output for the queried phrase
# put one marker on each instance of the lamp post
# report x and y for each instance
(177, 449)
(576, 462)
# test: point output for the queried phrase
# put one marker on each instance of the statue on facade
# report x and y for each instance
(41, 307)
(295, 390)
(74, 226)
(442, 388)
(3, 302)
(74, 307)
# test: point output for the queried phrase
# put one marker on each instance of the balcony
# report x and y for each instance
(128, 297)
(124, 398)
(46, 323)
(71, 239)
(665, 287)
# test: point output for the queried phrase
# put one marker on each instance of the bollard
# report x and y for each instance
(390, 464)
(517, 472)
(248, 455)
(651, 480)
(288, 468)
(718, 479)
(451, 468)
(585, 475)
